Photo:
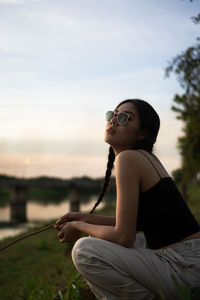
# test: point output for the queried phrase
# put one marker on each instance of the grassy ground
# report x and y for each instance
(194, 200)
(34, 267)
(40, 268)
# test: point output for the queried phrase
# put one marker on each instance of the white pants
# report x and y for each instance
(116, 272)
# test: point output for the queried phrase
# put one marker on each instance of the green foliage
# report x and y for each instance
(47, 194)
(184, 292)
(6, 177)
(4, 197)
(187, 106)
(177, 175)
(194, 202)
(38, 289)
(77, 289)
(43, 189)
(189, 144)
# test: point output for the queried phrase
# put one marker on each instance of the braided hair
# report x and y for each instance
(110, 164)
(149, 123)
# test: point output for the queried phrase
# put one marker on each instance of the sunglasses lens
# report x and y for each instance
(122, 118)
(109, 115)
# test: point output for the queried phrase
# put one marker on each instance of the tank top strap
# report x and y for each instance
(150, 162)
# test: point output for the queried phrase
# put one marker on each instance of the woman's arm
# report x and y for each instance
(127, 169)
(101, 220)
(85, 217)
(124, 230)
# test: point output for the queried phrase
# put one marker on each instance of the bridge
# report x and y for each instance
(19, 191)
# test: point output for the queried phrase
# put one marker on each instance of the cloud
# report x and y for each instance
(16, 2)
(77, 27)
(11, 1)
(64, 63)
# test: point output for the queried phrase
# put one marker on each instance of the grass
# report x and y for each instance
(194, 200)
(33, 266)
(40, 268)
(37, 268)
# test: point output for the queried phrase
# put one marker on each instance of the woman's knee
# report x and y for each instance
(82, 252)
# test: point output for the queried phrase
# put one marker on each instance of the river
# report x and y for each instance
(37, 212)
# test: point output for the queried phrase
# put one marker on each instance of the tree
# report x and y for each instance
(187, 106)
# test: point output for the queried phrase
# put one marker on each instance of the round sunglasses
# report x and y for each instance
(122, 117)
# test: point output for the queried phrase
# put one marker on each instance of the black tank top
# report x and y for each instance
(163, 215)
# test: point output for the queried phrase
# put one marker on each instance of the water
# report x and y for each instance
(37, 212)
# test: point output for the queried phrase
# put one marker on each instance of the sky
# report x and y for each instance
(64, 63)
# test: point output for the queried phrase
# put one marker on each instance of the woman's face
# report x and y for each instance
(122, 137)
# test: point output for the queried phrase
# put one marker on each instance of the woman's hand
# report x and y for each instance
(68, 234)
(71, 216)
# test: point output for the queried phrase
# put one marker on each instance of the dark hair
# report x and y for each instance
(110, 164)
(149, 124)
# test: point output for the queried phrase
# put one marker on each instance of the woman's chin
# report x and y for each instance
(107, 140)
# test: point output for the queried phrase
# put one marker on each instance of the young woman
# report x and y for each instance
(117, 260)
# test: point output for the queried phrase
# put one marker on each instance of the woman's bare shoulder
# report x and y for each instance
(130, 158)
(129, 154)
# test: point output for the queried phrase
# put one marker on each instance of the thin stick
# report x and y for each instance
(27, 235)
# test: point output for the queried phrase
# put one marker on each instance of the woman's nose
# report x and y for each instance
(114, 121)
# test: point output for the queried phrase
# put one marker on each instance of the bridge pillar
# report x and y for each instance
(74, 198)
(18, 204)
